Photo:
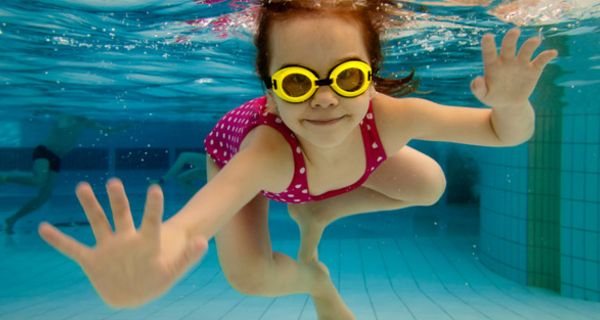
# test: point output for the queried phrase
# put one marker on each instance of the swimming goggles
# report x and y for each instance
(297, 84)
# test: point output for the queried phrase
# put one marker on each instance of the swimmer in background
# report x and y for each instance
(327, 138)
(47, 157)
(187, 171)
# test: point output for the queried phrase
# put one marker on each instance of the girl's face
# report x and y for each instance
(318, 43)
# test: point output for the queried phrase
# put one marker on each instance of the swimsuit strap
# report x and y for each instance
(297, 190)
(374, 151)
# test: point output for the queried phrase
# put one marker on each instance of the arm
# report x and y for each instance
(192, 158)
(508, 81)
(264, 164)
(427, 120)
(128, 266)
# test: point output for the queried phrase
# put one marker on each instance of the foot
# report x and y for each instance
(328, 302)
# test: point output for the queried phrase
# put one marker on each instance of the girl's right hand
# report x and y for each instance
(128, 267)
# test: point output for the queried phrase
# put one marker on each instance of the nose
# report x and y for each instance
(324, 98)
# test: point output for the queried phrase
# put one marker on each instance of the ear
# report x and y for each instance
(271, 104)
(371, 92)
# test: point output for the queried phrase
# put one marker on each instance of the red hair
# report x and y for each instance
(371, 15)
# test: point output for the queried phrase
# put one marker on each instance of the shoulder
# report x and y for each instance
(396, 120)
(272, 156)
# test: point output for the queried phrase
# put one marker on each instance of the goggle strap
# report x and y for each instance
(269, 83)
(323, 82)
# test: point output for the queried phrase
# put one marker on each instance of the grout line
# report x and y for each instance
(387, 272)
(412, 275)
(364, 277)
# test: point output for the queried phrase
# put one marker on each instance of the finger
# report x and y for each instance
(488, 49)
(543, 58)
(153, 213)
(63, 243)
(509, 43)
(528, 48)
(120, 206)
(93, 211)
(479, 88)
(193, 253)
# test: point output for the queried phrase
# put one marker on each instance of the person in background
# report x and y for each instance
(187, 171)
(66, 130)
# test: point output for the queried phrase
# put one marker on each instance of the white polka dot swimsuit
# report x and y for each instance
(223, 142)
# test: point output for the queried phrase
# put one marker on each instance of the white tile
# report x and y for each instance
(390, 278)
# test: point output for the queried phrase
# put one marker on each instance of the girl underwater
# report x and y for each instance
(326, 139)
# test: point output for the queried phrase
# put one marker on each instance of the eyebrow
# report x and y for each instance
(337, 62)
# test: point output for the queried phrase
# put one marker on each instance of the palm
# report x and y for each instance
(509, 77)
(128, 267)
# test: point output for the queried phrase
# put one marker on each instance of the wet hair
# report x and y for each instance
(373, 16)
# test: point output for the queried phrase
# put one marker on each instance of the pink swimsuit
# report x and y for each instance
(223, 142)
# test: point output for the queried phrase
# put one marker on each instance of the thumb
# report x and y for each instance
(195, 250)
(479, 88)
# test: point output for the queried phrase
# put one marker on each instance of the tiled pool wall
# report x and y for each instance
(540, 201)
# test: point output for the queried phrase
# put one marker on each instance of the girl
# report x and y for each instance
(324, 139)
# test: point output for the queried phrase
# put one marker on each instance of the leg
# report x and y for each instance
(246, 256)
(407, 178)
(251, 267)
(42, 197)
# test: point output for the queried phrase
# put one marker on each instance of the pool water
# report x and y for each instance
(515, 236)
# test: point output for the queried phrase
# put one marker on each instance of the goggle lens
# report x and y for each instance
(296, 84)
(350, 79)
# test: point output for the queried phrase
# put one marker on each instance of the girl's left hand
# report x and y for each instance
(510, 77)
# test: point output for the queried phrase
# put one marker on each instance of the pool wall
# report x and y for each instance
(539, 202)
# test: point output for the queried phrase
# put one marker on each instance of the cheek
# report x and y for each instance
(359, 107)
(289, 113)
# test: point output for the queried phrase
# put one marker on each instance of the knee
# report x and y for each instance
(433, 186)
(248, 280)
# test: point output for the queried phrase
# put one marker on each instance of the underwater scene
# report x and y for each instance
(92, 90)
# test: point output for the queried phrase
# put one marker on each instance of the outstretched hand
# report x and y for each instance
(128, 267)
(509, 77)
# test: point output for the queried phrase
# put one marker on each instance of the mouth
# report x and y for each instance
(324, 122)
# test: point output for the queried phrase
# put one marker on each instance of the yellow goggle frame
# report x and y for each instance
(311, 82)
